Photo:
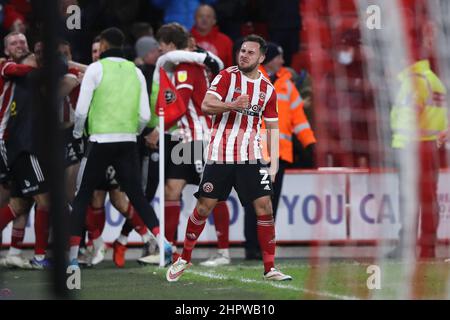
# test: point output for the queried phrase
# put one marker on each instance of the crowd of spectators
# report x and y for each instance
(315, 35)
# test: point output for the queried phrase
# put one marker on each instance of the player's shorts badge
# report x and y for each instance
(208, 187)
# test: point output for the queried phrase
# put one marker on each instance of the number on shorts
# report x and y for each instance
(265, 175)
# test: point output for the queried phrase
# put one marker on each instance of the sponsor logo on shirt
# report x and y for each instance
(253, 111)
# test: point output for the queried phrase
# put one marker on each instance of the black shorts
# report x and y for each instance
(27, 176)
(251, 181)
(109, 182)
(73, 148)
(186, 162)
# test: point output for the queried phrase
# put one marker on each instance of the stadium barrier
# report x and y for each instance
(330, 205)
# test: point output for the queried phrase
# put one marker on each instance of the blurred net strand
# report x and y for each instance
(392, 53)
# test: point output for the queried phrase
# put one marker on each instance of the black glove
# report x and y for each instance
(212, 64)
(310, 156)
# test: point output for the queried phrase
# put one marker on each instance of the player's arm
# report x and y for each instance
(67, 84)
(273, 138)
(76, 65)
(11, 69)
(90, 82)
(212, 105)
(270, 115)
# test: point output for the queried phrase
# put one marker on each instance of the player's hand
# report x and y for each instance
(152, 139)
(241, 102)
(273, 169)
(80, 77)
(442, 138)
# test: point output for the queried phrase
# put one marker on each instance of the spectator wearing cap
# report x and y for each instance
(208, 36)
(147, 52)
(292, 122)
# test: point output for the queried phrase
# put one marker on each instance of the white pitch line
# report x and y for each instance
(278, 285)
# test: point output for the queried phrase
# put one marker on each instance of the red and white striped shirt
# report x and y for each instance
(235, 136)
(191, 83)
(67, 113)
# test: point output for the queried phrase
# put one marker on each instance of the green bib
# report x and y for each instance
(116, 101)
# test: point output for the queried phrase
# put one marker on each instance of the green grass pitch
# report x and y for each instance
(335, 279)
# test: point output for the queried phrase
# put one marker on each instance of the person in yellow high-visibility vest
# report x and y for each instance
(419, 115)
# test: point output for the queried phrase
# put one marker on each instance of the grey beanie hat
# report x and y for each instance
(144, 45)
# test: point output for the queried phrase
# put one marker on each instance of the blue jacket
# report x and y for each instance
(181, 11)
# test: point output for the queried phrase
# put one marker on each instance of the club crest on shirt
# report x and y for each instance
(169, 96)
(182, 76)
(262, 96)
(237, 90)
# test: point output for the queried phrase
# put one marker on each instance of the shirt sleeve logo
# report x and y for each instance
(182, 76)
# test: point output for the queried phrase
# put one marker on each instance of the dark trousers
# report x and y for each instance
(427, 179)
(123, 156)
(250, 233)
(150, 173)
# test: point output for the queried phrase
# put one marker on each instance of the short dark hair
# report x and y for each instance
(96, 39)
(173, 33)
(257, 39)
(63, 42)
(114, 36)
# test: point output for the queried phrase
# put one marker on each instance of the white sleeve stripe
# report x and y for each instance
(215, 94)
(185, 85)
(271, 119)
(70, 75)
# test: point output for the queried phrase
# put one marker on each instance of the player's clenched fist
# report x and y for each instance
(241, 102)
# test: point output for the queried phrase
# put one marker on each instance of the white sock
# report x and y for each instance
(39, 257)
(224, 252)
(159, 237)
(146, 237)
(97, 242)
(14, 251)
(152, 236)
(73, 253)
(123, 240)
